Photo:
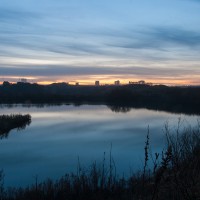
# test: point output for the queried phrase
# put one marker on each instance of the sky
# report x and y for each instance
(82, 41)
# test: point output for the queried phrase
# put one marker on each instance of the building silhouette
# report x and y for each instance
(97, 83)
(141, 82)
(23, 80)
(117, 82)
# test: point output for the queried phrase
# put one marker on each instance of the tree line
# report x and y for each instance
(160, 97)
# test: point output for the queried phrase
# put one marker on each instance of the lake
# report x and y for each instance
(59, 136)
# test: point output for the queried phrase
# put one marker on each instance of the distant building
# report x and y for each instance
(117, 82)
(132, 83)
(97, 83)
(150, 84)
(141, 82)
(23, 80)
(77, 83)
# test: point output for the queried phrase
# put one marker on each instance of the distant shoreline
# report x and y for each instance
(159, 97)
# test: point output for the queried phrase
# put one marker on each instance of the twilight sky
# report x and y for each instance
(87, 40)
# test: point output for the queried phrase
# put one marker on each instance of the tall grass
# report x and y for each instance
(175, 175)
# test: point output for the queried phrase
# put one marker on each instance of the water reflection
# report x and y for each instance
(118, 109)
(185, 110)
(58, 135)
(9, 122)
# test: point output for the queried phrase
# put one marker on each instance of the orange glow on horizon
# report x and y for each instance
(122, 82)
(106, 80)
(45, 82)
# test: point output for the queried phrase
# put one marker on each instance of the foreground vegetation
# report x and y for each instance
(9, 122)
(175, 175)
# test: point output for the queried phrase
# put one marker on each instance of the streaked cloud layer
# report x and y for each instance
(77, 40)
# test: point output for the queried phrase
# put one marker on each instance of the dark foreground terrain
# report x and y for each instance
(175, 175)
(158, 97)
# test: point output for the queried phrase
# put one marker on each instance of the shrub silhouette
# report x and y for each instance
(9, 122)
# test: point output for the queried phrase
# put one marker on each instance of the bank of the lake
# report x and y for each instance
(157, 97)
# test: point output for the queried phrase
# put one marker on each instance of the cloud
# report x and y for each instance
(153, 44)
(55, 36)
(55, 70)
(176, 35)
(159, 38)
(84, 74)
(13, 15)
(83, 38)
(194, 0)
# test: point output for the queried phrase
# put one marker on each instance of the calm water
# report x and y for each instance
(58, 135)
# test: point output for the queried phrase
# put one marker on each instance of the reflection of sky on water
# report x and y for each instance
(58, 135)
